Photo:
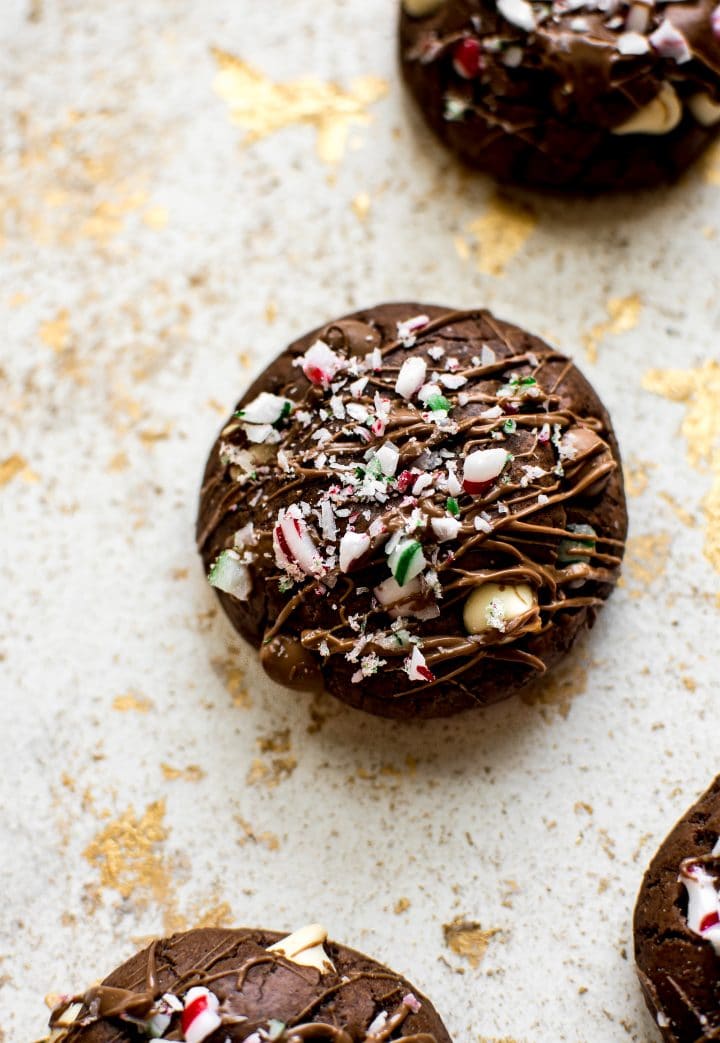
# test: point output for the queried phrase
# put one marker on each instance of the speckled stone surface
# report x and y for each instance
(152, 262)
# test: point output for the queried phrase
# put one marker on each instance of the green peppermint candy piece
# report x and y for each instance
(579, 549)
(436, 402)
(453, 506)
(231, 576)
(407, 561)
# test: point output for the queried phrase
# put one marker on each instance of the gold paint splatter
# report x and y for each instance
(218, 915)
(500, 234)
(130, 701)
(156, 217)
(16, 466)
(127, 854)
(192, 773)
(276, 742)
(263, 107)
(467, 939)
(699, 390)
(624, 315)
(646, 559)
(554, 693)
(56, 332)
(681, 514)
(271, 312)
(251, 836)
(150, 436)
(636, 474)
(401, 906)
(234, 680)
(270, 773)
(361, 206)
(119, 462)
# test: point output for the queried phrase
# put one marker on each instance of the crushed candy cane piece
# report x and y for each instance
(715, 22)
(519, 13)
(294, 548)
(481, 468)
(445, 528)
(411, 377)
(703, 915)
(467, 58)
(669, 42)
(407, 561)
(231, 575)
(416, 667)
(412, 1003)
(320, 364)
(631, 43)
(352, 547)
(265, 409)
(406, 330)
(200, 1016)
(388, 456)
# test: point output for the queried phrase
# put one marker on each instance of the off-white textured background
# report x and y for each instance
(152, 777)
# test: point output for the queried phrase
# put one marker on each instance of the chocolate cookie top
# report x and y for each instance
(677, 927)
(415, 506)
(553, 75)
(230, 985)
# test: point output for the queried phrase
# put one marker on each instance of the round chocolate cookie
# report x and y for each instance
(677, 927)
(579, 94)
(225, 985)
(418, 509)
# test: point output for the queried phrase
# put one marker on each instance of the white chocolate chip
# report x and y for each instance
(305, 947)
(704, 109)
(659, 116)
(422, 8)
(493, 605)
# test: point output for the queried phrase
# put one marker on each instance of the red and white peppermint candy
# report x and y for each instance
(411, 377)
(294, 548)
(467, 58)
(320, 364)
(416, 667)
(200, 1017)
(703, 915)
(715, 22)
(669, 42)
(406, 330)
(412, 1003)
(352, 547)
(481, 468)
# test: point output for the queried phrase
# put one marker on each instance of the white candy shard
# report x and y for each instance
(703, 915)
(659, 116)
(231, 575)
(669, 42)
(352, 547)
(200, 1017)
(493, 605)
(388, 456)
(265, 409)
(704, 109)
(482, 467)
(411, 377)
(632, 43)
(519, 13)
(715, 22)
(445, 528)
(305, 947)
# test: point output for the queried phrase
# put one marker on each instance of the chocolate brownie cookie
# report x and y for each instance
(417, 508)
(677, 927)
(579, 94)
(225, 985)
